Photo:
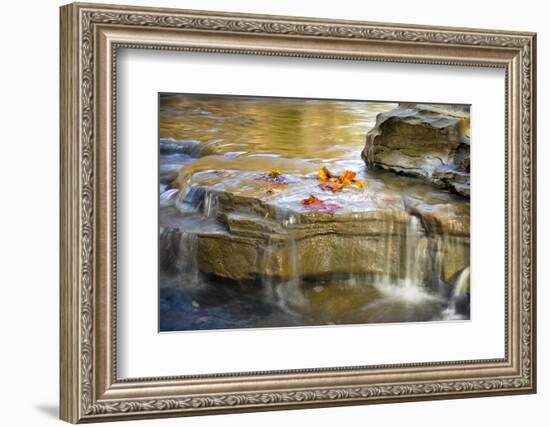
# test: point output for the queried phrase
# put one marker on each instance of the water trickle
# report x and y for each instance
(178, 254)
(168, 197)
(462, 284)
(459, 302)
(286, 293)
(210, 204)
(415, 256)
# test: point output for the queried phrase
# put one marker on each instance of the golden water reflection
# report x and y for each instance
(251, 126)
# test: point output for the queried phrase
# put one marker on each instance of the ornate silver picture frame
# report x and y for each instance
(91, 36)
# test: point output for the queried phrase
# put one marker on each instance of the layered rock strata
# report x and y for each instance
(245, 236)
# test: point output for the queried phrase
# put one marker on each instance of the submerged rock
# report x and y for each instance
(427, 141)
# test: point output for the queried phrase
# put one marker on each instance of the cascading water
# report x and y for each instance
(178, 250)
(418, 266)
(459, 302)
(168, 197)
(415, 262)
(209, 205)
(415, 256)
(285, 293)
(462, 285)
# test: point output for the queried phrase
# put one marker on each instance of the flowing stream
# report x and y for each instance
(212, 151)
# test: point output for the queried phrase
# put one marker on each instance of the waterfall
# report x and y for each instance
(196, 199)
(459, 302)
(210, 205)
(408, 274)
(414, 265)
(289, 292)
(415, 253)
(282, 254)
(178, 252)
(462, 283)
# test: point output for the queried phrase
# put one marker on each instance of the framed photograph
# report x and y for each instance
(266, 212)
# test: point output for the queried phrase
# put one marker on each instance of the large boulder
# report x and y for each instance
(427, 141)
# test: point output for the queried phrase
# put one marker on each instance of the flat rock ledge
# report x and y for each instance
(427, 141)
(250, 237)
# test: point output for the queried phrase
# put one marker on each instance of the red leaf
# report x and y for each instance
(314, 204)
(331, 186)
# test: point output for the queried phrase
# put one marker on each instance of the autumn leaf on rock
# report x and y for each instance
(331, 186)
(324, 174)
(271, 176)
(314, 204)
(348, 177)
(334, 183)
(275, 181)
(311, 200)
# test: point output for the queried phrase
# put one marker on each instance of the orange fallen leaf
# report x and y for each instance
(348, 177)
(360, 184)
(324, 174)
(334, 183)
(311, 200)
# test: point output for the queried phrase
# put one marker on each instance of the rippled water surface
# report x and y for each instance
(267, 127)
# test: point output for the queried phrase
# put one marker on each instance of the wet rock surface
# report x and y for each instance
(246, 233)
(427, 141)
